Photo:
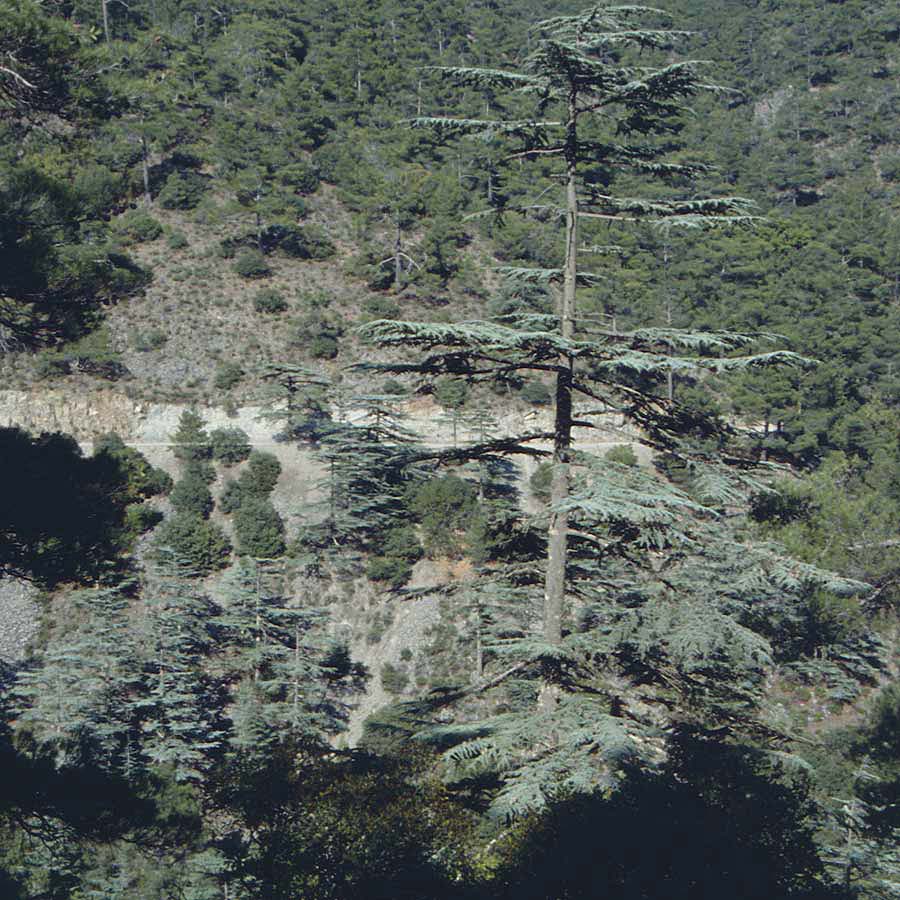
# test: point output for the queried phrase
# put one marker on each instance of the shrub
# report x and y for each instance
(191, 496)
(227, 376)
(198, 542)
(451, 393)
(144, 480)
(97, 189)
(225, 249)
(308, 242)
(445, 507)
(394, 679)
(540, 481)
(201, 469)
(536, 392)
(323, 346)
(95, 346)
(230, 445)
(889, 164)
(231, 497)
(141, 518)
(391, 570)
(392, 386)
(177, 240)
(300, 176)
(261, 475)
(399, 550)
(622, 454)
(381, 308)
(259, 529)
(250, 263)
(269, 301)
(137, 226)
(318, 334)
(159, 482)
(146, 341)
(183, 190)
(50, 365)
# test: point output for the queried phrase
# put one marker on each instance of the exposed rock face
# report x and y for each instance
(83, 415)
(18, 618)
(87, 414)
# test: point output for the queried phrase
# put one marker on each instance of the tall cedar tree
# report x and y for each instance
(592, 110)
(597, 109)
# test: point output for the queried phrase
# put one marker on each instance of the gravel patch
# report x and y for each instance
(19, 615)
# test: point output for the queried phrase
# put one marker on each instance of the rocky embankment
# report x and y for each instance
(18, 618)
(149, 426)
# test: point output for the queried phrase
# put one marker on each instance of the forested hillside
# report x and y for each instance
(574, 348)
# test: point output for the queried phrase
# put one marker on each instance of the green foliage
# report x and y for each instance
(270, 301)
(91, 354)
(203, 545)
(318, 334)
(177, 240)
(536, 393)
(98, 189)
(138, 227)
(398, 836)
(254, 91)
(48, 486)
(191, 443)
(623, 454)
(227, 376)
(191, 497)
(393, 563)
(445, 507)
(306, 242)
(232, 496)
(540, 481)
(392, 386)
(144, 480)
(843, 497)
(394, 679)
(737, 821)
(451, 393)
(259, 529)
(183, 190)
(148, 341)
(141, 518)
(259, 478)
(229, 445)
(251, 264)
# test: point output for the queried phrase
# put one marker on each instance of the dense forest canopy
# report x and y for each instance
(666, 667)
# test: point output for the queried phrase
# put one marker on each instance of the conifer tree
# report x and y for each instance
(598, 109)
(80, 698)
(177, 705)
(279, 660)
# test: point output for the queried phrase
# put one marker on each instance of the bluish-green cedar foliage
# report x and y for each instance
(612, 527)
(179, 718)
(281, 667)
(191, 495)
(370, 461)
(80, 698)
(189, 536)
